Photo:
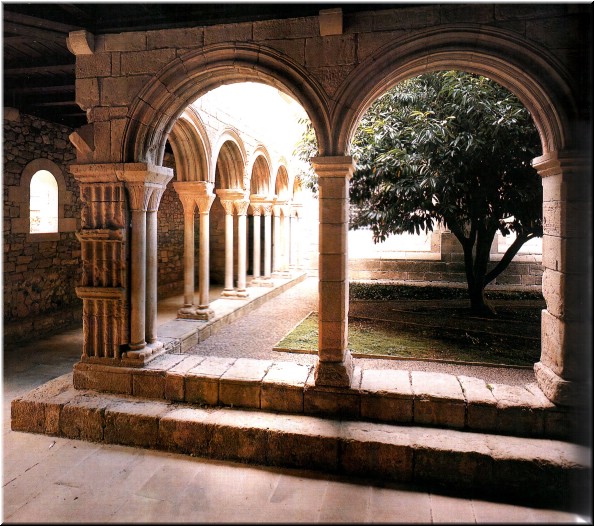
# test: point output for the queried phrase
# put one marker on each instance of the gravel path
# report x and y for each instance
(255, 334)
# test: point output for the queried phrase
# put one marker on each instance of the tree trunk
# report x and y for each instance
(478, 304)
(476, 262)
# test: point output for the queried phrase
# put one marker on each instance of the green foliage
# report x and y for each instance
(448, 148)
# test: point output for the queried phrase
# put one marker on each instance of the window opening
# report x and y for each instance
(43, 205)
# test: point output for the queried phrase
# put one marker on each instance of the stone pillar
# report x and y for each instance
(563, 372)
(140, 181)
(204, 198)
(335, 366)
(185, 192)
(286, 240)
(104, 239)
(277, 253)
(151, 265)
(241, 207)
(296, 236)
(228, 198)
(267, 211)
(256, 213)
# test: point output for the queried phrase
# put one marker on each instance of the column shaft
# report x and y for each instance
(151, 276)
(257, 249)
(138, 281)
(241, 208)
(267, 243)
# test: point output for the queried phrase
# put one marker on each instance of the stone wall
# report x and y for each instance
(523, 271)
(40, 275)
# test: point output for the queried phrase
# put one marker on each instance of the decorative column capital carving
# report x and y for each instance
(333, 166)
(141, 179)
(228, 197)
(241, 207)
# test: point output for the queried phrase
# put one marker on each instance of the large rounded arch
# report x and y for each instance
(259, 171)
(191, 148)
(531, 73)
(281, 183)
(157, 107)
(229, 160)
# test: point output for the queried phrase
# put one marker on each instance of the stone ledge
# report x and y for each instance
(459, 460)
(428, 399)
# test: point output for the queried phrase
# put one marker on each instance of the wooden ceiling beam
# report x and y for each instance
(43, 23)
(58, 68)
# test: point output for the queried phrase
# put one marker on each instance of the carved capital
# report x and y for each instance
(333, 166)
(241, 207)
(228, 206)
(204, 202)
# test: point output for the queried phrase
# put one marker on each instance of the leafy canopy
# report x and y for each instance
(448, 147)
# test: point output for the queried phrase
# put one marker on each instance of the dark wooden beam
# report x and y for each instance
(58, 68)
(35, 32)
(68, 88)
(43, 23)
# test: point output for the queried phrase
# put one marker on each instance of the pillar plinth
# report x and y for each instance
(335, 365)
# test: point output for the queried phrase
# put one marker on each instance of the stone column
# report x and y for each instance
(141, 181)
(335, 366)
(241, 207)
(204, 199)
(185, 191)
(277, 253)
(563, 372)
(286, 240)
(296, 237)
(151, 265)
(228, 198)
(267, 211)
(256, 213)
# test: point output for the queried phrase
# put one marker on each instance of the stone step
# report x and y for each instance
(532, 471)
(389, 396)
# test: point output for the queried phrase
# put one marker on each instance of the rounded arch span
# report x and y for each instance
(191, 148)
(281, 183)
(155, 110)
(229, 160)
(530, 72)
(260, 171)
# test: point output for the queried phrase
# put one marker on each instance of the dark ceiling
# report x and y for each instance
(39, 70)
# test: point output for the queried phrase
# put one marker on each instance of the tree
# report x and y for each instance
(448, 148)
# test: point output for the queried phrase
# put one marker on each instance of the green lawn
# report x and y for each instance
(381, 338)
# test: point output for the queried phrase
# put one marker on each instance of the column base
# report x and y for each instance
(262, 282)
(559, 391)
(187, 312)
(204, 313)
(229, 293)
(142, 356)
(334, 374)
(241, 294)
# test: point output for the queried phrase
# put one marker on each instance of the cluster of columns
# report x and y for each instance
(196, 195)
(145, 187)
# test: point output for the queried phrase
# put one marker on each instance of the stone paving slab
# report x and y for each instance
(535, 469)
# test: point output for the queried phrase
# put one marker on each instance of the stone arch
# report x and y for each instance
(259, 172)
(191, 148)
(530, 72)
(229, 160)
(157, 107)
(281, 183)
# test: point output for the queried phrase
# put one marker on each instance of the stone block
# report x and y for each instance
(333, 239)
(175, 377)
(201, 390)
(130, 41)
(286, 29)
(519, 412)
(83, 419)
(186, 431)
(386, 396)
(87, 92)
(282, 387)
(120, 91)
(146, 61)
(133, 424)
(366, 452)
(148, 384)
(239, 393)
(337, 50)
(481, 405)
(328, 401)
(95, 65)
(438, 399)
(479, 14)
(186, 37)
(303, 442)
(102, 378)
(294, 48)
(27, 416)
(228, 33)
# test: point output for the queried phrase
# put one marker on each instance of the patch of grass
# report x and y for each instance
(383, 338)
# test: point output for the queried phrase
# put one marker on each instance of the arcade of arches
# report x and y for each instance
(137, 89)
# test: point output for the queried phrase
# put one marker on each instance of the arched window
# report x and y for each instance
(43, 203)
